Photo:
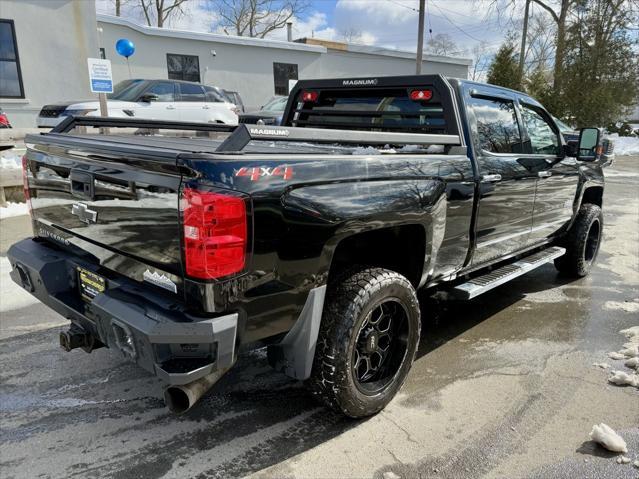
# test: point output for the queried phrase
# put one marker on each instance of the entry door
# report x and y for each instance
(164, 107)
(558, 174)
(507, 187)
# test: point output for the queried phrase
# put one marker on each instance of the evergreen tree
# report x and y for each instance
(504, 70)
(602, 69)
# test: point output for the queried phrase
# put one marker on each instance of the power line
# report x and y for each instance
(402, 5)
(453, 24)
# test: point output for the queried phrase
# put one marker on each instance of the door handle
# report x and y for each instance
(544, 174)
(170, 107)
(206, 107)
(491, 178)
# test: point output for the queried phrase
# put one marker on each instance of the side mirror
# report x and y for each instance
(149, 97)
(588, 144)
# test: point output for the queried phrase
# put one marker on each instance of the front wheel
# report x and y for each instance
(582, 242)
(367, 341)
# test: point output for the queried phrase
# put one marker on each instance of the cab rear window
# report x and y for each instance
(388, 109)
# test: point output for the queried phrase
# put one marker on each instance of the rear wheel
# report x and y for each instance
(582, 242)
(367, 341)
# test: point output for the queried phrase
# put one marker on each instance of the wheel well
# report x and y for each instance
(400, 249)
(593, 195)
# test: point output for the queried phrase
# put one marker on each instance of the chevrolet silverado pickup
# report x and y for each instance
(178, 245)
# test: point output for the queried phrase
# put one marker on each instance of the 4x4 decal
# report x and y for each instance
(257, 172)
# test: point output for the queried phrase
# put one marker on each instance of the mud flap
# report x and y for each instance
(294, 354)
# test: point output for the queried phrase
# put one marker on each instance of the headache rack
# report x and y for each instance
(241, 135)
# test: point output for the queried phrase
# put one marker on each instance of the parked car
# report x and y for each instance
(270, 114)
(170, 100)
(235, 99)
(4, 120)
(179, 253)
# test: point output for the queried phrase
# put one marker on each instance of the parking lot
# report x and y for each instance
(503, 386)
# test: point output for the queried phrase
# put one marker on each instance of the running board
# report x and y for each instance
(499, 276)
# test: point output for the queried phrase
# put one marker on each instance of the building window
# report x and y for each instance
(183, 67)
(282, 73)
(10, 75)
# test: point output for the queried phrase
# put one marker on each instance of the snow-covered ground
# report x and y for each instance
(12, 296)
(625, 145)
(13, 209)
(11, 159)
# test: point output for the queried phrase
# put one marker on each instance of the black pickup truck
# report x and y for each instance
(179, 245)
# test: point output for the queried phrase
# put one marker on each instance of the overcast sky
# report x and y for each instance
(384, 23)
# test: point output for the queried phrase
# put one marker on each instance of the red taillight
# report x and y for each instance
(25, 182)
(215, 233)
(309, 96)
(4, 120)
(421, 95)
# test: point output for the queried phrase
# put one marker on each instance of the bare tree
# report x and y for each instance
(160, 12)
(540, 48)
(118, 4)
(351, 34)
(441, 44)
(256, 18)
(481, 60)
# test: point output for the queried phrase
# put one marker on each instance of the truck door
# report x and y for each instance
(507, 185)
(557, 174)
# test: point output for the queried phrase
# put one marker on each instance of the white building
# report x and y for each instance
(256, 68)
(44, 45)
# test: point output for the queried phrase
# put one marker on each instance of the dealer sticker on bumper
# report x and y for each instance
(90, 284)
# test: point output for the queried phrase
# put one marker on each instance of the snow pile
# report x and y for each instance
(369, 150)
(608, 438)
(625, 145)
(13, 209)
(629, 353)
(601, 365)
(10, 163)
(632, 363)
(631, 333)
(621, 378)
(623, 460)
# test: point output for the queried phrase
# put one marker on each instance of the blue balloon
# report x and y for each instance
(125, 47)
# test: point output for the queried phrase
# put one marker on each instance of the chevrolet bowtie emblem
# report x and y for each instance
(83, 212)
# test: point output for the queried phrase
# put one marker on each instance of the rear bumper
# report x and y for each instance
(145, 327)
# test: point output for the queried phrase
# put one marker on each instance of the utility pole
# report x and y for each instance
(524, 35)
(420, 37)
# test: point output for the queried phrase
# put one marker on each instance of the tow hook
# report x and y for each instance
(76, 337)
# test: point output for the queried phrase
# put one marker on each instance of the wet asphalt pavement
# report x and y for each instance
(503, 386)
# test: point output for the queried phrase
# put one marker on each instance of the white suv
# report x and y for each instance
(151, 99)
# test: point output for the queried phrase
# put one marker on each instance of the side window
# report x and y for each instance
(497, 130)
(164, 90)
(212, 95)
(191, 92)
(543, 140)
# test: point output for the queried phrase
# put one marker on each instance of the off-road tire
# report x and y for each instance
(349, 300)
(582, 242)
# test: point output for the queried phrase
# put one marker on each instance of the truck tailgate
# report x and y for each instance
(119, 205)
